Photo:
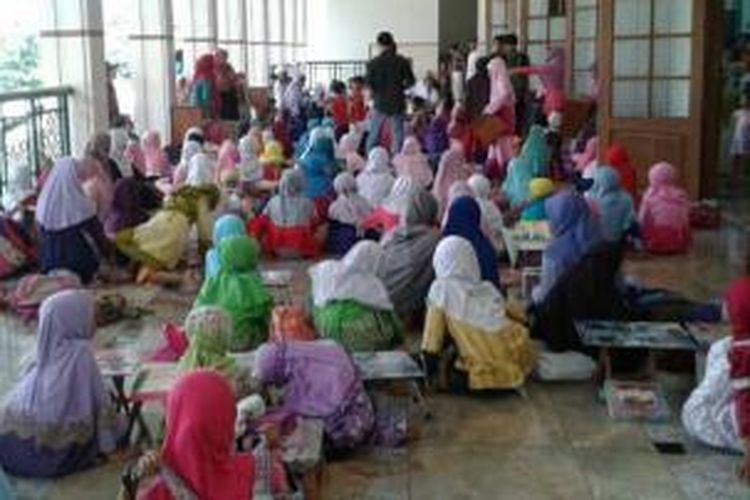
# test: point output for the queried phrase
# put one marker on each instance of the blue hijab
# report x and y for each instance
(532, 162)
(318, 163)
(574, 230)
(464, 220)
(225, 226)
(616, 212)
(301, 145)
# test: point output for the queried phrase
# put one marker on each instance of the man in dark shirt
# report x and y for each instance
(388, 76)
(506, 46)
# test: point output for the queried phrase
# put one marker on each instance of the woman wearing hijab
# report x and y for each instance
(192, 145)
(348, 153)
(493, 351)
(406, 266)
(532, 162)
(119, 143)
(574, 235)
(204, 93)
(492, 218)
(465, 220)
(228, 158)
(58, 418)
(98, 148)
(412, 163)
(157, 163)
(540, 189)
(239, 290)
(225, 226)
(619, 159)
(287, 226)
(452, 168)
(346, 215)
(613, 205)
(197, 458)
(664, 214)
(209, 332)
(160, 243)
(717, 413)
(385, 217)
(376, 181)
(319, 380)
(70, 234)
(319, 166)
(502, 106)
(350, 303)
(131, 204)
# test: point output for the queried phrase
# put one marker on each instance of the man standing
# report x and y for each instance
(472, 59)
(389, 75)
(506, 46)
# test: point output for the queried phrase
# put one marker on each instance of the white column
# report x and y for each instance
(201, 31)
(72, 54)
(232, 29)
(484, 24)
(153, 44)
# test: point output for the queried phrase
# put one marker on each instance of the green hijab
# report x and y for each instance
(239, 290)
(209, 330)
(535, 153)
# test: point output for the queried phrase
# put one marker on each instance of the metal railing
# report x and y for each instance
(323, 72)
(34, 130)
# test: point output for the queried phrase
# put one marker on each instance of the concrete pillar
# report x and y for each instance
(484, 24)
(153, 44)
(232, 29)
(201, 32)
(72, 54)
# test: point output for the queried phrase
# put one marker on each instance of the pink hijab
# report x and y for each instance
(229, 157)
(452, 168)
(501, 89)
(413, 164)
(136, 157)
(590, 154)
(664, 201)
(155, 157)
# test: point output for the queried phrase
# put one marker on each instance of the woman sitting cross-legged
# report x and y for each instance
(494, 351)
(350, 303)
(238, 289)
(58, 418)
(346, 215)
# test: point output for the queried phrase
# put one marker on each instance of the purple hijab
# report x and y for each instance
(126, 209)
(62, 202)
(574, 230)
(317, 377)
(61, 398)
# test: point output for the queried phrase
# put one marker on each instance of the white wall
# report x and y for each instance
(345, 29)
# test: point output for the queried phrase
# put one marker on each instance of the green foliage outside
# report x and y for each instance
(19, 64)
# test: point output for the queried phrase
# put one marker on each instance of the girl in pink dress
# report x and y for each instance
(664, 215)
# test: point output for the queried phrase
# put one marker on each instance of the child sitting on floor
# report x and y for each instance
(272, 160)
(540, 189)
(346, 215)
(664, 215)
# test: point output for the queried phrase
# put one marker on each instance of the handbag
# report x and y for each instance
(489, 128)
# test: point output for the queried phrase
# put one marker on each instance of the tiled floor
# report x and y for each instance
(556, 443)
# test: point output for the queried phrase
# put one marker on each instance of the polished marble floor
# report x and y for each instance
(557, 442)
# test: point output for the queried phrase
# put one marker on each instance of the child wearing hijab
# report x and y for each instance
(319, 380)
(228, 158)
(385, 217)
(618, 158)
(157, 164)
(494, 351)
(717, 413)
(346, 215)
(452, 168)
(411, 162)
(376, 181)
(540, 189)
(492, 218)
(192, 144)
(664, 214)
(287, 226)
(406, 266)
(465, 220)
(613, 205)
(71, 235)
(225, 226)
(532, 162)
(239, 290)
(348, 153)
(350, 303)
(196, 459)
(131, 203)
(58, 418)
(160, 243)
(209, 332)
(318, 163)
(436, 140)
(272, 160)
(574, 235)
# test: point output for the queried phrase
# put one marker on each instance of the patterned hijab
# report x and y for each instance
(209, 331)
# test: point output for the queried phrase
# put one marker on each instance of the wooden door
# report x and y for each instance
(653, 83)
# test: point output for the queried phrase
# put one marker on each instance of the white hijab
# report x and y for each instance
(249, 167)
(400, 196)
(352, 278)
(459, 290)
(119, 143)
(376, 181)
(349, 207)
(200, 170)
(62, 202)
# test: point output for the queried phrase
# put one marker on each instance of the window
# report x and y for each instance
(583, 58)
(502, 17)
(652, 58)
(257, 35)
(546, 26)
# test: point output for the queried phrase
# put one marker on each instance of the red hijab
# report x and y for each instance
(737, 301)
(618, 158)
(205, 69)
(199, 441)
